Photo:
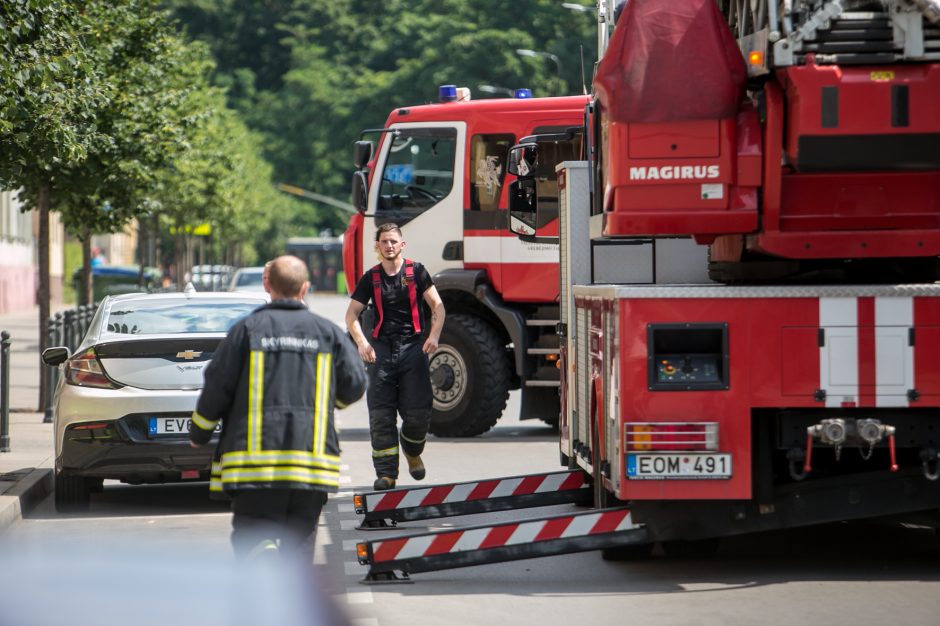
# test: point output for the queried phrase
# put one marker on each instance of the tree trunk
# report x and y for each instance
(87, 296)
(180, 259)
(43, 295)
(143, 238)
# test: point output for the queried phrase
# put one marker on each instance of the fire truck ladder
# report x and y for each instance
(393, 559)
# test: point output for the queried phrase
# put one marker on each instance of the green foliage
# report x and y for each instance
(49, 95)
(309, 75)
(146, 73)
(72, 260)
(110, 108)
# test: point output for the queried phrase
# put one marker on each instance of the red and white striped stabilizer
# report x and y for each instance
(471, 491)
(522, 533)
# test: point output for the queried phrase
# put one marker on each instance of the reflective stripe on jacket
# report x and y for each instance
(273, 383)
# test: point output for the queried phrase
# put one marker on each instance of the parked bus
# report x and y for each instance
(324, 259)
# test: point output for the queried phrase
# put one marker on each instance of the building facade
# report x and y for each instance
(19, 255)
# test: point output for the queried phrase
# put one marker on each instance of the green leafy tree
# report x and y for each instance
(146, 71)
(47, 110)
(325, 70)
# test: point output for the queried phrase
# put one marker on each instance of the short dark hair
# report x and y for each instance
(388, 227)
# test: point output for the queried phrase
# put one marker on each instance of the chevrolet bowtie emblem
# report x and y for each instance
(188, 354)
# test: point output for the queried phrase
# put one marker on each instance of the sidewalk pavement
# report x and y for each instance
(26, 470)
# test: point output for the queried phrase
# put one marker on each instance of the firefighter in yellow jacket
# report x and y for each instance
(273, 382)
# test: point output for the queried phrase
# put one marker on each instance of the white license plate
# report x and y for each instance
(678, 466)
(173, 426)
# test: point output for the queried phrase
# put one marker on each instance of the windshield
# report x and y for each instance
(156, 318)
(246, 279)
(419, 170)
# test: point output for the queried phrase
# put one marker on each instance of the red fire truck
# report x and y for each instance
(439, 171)
(806, 392)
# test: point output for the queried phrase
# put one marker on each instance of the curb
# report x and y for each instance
(24, 496)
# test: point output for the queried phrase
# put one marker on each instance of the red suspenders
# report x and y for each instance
(412, 296)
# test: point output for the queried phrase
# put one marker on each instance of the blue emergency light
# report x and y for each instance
(522, 93)
(447, 93)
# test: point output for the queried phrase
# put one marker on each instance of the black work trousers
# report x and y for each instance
(399, 383)
(285, 520)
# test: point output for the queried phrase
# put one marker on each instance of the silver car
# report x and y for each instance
(125, 397)
(248, 279)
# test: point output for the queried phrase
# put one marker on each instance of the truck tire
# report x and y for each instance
(72, 493)
(469, 377)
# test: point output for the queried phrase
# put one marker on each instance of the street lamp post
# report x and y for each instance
(545, 55)
(580, 8)
(494, 89)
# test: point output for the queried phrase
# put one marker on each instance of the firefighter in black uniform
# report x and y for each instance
(397, 353)
(273, 381)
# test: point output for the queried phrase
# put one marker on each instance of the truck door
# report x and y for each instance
(529, 271)
(418, 184)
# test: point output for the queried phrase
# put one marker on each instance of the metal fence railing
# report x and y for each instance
(4, 391)
(65, 328)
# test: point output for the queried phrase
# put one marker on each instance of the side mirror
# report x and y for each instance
(362, 153)
(523, 207)
(523, 159)
(360, 191)
(55, 356)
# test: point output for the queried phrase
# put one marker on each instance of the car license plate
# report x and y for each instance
(678, 466)
(173, 426)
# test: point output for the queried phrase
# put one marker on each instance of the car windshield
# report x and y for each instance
(156, 318)
(246, 279)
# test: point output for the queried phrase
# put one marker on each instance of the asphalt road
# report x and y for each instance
(872, 573)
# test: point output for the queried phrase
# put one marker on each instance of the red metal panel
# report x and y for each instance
(749, 148)
(773, 154)
(673, 140)
(848, 214)
(525, 282)
(926, 349)
(862, 201)
(677, 195)
(352, 244)
(864, 99)
(799, 367)
(784, 331)
(848, 244)
(731, 408)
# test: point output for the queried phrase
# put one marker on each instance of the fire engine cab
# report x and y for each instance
(439, 171)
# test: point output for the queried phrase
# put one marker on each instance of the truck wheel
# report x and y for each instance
(72, 493)
(469, 378)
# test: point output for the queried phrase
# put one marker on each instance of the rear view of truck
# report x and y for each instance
(801, 147)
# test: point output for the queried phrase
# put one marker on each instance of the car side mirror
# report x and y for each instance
(523, 159)
(523, 207)
(362, 153)
(360, 191)
(55, 356)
